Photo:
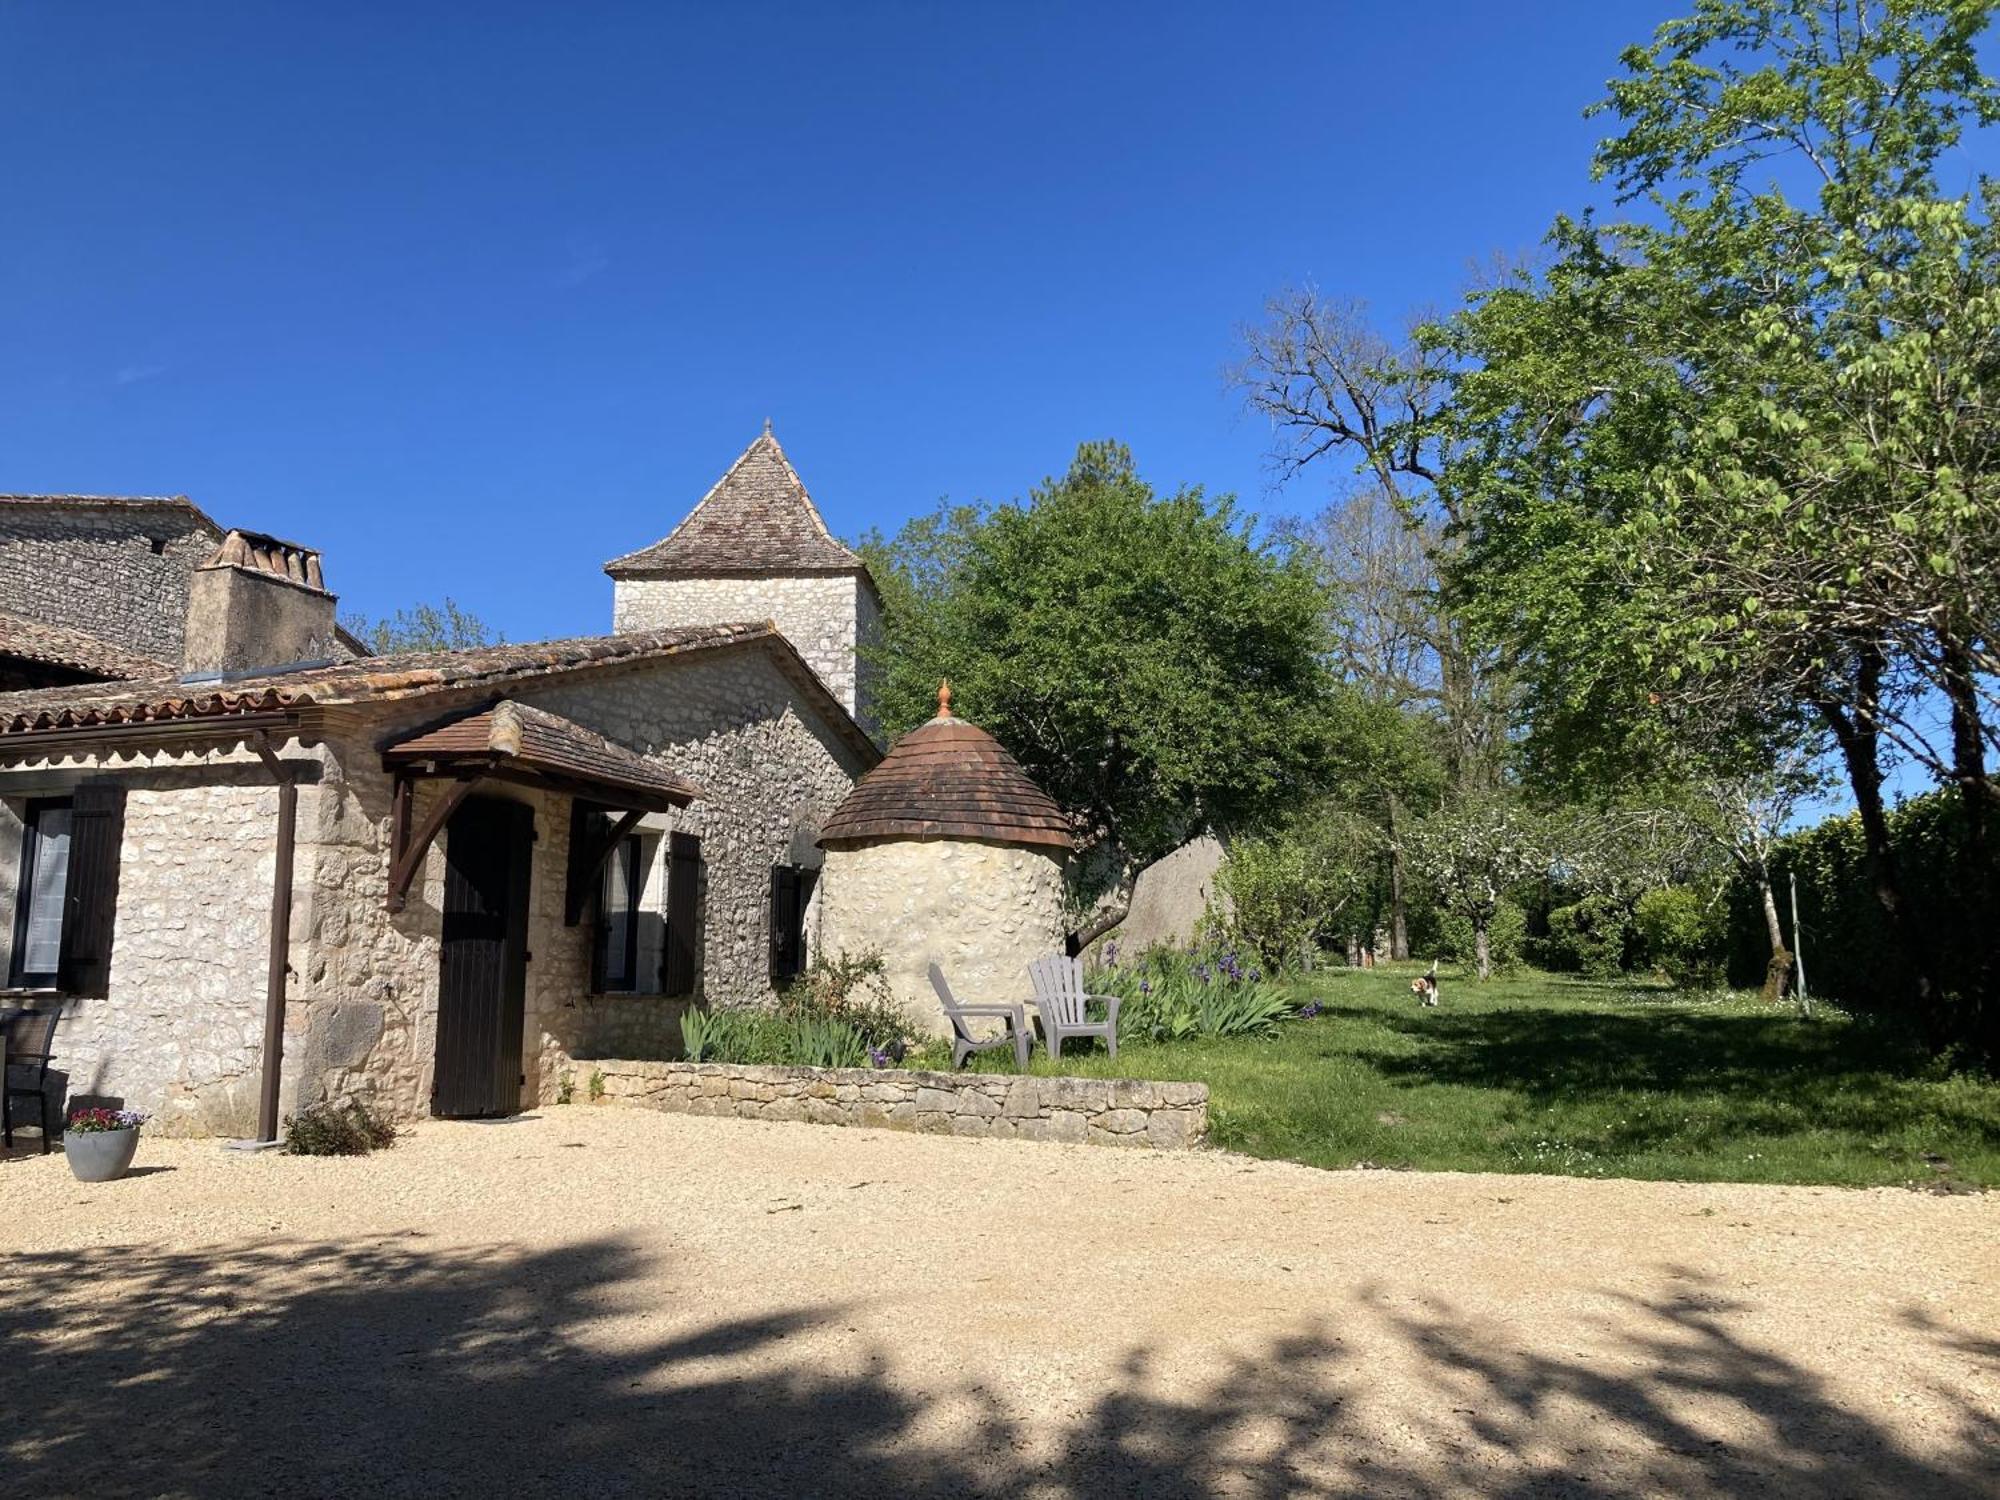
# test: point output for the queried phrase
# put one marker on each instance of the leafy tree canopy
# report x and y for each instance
(1152, 663)
(423, 627)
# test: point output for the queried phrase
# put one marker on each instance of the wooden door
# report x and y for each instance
(483, 959)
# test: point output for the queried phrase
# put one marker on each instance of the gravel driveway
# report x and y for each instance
(605, 1302)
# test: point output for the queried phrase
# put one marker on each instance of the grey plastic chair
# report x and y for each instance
(1064, 1005)
(964, 1043)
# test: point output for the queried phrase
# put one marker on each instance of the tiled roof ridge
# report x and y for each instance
(383, 679)
(368, 678)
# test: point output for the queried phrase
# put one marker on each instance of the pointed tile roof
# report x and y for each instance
(758, 518)
(947, 779)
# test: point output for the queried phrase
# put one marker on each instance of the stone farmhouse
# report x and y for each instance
(257, 867)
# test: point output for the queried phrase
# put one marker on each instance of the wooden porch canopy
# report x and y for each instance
(511, 742)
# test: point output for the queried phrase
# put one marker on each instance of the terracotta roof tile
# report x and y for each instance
(521, 735)
(757, 518)
(61, 646)
(948, 779)
(383, 679)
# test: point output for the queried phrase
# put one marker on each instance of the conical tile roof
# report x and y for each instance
(947, 779)
(757, 518)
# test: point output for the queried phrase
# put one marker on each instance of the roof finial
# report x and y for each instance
(767, 427)
(944, 698)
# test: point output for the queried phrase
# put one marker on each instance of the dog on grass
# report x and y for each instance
(1425, 986)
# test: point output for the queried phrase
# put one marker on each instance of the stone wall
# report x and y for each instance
(982, 912)
(730, 721)
(825, 616)
(1171, 897)
(117, 571)
(1094, 1111)
(181, 1034)
(180, 1031)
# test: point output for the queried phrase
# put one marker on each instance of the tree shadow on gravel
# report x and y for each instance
(389, 1369)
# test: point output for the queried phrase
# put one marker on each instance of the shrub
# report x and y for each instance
(1587, 937)
(329, 1129)
(1285, 895)
(1505, 939)
(852, 989)
(1681, 935)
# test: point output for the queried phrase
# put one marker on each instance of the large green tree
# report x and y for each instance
(1153, 664)
(1727, 465)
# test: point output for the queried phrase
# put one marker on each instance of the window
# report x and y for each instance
(642, 900)
(791, 894)
(623, 894)
(38, 913)
(67, 900)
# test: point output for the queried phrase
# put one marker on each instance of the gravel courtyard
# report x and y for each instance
(607, 1302)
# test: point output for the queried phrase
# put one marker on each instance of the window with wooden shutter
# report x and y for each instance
(791, 893)
(683, 936)
(40, 894)
(90, 904)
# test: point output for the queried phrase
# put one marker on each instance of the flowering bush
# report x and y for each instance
(96, 1121)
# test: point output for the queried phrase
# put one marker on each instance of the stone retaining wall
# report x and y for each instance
(1098, 1111)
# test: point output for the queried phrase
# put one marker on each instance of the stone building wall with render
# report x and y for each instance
(732, 723)
(982, 911)
(181, 1031)
(826, 617)
(116, 569)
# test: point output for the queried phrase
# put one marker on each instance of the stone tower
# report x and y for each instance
(756, 548)
(945, 853)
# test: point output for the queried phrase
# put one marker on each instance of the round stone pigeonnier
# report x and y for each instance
(946, 852)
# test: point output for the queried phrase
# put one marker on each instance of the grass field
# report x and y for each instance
(1547, 1073)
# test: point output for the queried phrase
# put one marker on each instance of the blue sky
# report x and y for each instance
(474, 297)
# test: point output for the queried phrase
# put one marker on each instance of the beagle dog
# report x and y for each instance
(1425, 986)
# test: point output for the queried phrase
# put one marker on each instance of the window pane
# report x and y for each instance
(41, 944)
(618, 905)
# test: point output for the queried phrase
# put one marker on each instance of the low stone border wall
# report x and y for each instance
(1099, 1111)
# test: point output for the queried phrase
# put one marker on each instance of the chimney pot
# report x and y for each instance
(257, 605)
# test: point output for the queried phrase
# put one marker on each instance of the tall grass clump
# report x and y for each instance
(1169, 995)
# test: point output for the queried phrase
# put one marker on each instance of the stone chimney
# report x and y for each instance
(257, 605)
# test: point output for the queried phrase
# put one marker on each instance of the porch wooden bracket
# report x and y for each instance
(599, 855)
(406, 848)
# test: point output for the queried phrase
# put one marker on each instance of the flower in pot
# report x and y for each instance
(99, 1142)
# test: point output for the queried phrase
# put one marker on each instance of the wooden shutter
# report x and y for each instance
(784, 921)
(90, 898)
(677, 955)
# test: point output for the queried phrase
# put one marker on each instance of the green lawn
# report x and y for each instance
(1545, 1073)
